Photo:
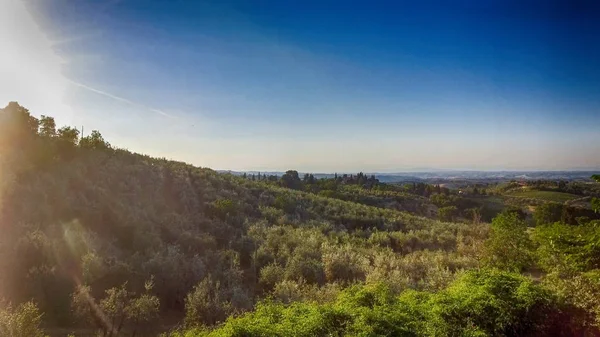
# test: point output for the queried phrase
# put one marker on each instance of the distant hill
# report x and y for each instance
(440, 175)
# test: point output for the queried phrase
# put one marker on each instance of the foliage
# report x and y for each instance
(291, 180)
(508, 246)
(22, 321)
(554, 196)
(482, 303)
(568, 248)
(580, 291)
(595, 204)
(119, 309)
(206, 304)
(94, 141)
(447, 213)
(548, 213)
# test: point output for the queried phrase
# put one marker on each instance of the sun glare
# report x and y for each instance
(31, 71)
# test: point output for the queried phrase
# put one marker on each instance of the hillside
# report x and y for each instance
(102, 239)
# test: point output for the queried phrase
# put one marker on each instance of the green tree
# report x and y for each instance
(492, 303)
(509, 246)
(596, 201)
(447, 213)
(47, 126)
(596, 204)
(66, 142)
(16, 123)
(94, 141)
(270, 275)
(143, 310)
(580, 291)
(548, 213)
(564, 247)
(114, 307)
(206, 304)
(85, 308)
(291, 180)
(22, 321)
(224, 208)
(68, 134)
(119, 308)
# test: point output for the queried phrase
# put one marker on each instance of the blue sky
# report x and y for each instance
(319, 85)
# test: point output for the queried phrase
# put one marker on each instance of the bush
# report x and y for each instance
(491, 303)
(22, 321)
(568, 248)
(206, 304)
(479, 303)
(548, 213)
(508, 246)
(581, 292)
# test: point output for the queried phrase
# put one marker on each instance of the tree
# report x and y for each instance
(508, 246)
(85, 308)
(581, 291)
(141, 311)
(17, 123)
(23, 321)
(224, 208)
(94, 141)
(564, 247)
(548, 213)
(47, 126)
(596, 204)
(475, 214)
(493, 303)
(114, 307)
(291, 180)
(118, 308)
(68, 135)
(206, 304)
(596, 201)
(447, 213)
(66, 141)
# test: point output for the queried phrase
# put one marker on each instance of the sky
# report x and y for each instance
(317, 86)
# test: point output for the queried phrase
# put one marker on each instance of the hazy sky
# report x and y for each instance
(316, 85)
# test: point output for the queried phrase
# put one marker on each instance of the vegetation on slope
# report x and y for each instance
(479, 303)
(544, 195)
(103, 240)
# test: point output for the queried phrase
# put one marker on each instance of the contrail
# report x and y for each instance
(121, 99)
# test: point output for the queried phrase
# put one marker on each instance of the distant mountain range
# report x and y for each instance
(435, 175)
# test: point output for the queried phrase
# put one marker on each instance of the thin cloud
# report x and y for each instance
(121, 99)
(75, 38)
(160, 112)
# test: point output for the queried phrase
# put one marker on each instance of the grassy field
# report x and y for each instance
(544, 195)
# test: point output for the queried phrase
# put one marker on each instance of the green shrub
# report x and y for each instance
(568, 248)
(492, 303)
(508, 246)
(22, 321)
(479, 303)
